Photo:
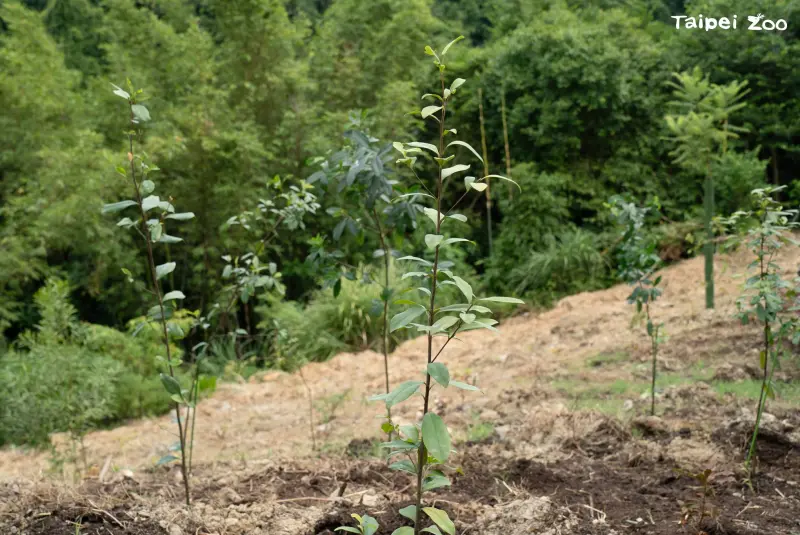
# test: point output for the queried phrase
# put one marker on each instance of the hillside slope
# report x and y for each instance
(544, 356)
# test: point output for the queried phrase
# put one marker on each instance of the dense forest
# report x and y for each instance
(272, 121)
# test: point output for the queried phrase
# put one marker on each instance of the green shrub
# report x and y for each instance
(55, 388)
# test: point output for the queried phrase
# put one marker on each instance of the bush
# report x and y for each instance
(55, 388)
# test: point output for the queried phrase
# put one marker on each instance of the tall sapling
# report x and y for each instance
(637, 261)
(426, 445)
(150, 220)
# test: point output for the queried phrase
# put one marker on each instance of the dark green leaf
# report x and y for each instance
(436, 437)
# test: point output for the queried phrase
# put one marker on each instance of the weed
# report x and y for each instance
(477, 430)
(153, 231)
(328, 406)
(698, 509)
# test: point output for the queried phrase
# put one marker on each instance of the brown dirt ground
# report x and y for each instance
(557, 444)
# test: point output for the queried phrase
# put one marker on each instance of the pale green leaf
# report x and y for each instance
(140, 112)
(436, 437)
(182, 216)
(465, 287)
(433, 240)
(455, 169)
(427, 111)
(117, 206)
(402, 392)
(451, 43)
(409, 512)
(503, 178)
(175, 294)
(458, 82)
(427, 146)
(441, 519)
(164, 270)
(467, 145)
(148, 203)
(439, 371)
(499, 299)
(405, 317)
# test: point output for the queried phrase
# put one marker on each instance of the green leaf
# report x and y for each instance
(416, 259)
(410, 432)
(441, 519)
(182, 216)
(164, 270)
(147, 187)
(458, 217)
(117, 206)
(465, 288)
(455, 169)
(121, 92)
(467, 145)
(171, 384)
(140, 112)
(427, 146)
(429, 51)
(442, 324)
(150, 202)
(433, 240)
(348, 529)
(427, 111)
(431, 529)
(402, 392)
(467, 318)
(450, 241)
(155, 231)
(369, 525)
(503, 178)
(166, 238)
(498, 299)
(405, 530)
(126, 222)
(175, 294)
(464, 386)
(435, 480)
(478, 186)
(439, 371)
(436, 437)
(432, 214)
(458, 82)
(403, 466)
(451, 43)
(166, 459)
(405, 317)
(409, 512)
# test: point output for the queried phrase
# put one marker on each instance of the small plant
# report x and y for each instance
(698, 509)
(637, 262)
(359, 177)
(328, 406)
(366, 525)
(767, 296)
(426, 446)
(150, 220)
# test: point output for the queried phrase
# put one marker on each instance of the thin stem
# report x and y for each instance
(505, 140)
(385, 317)
(423, 454)
(157, 291)
(486, 170)
(310, 409)
(767, 338)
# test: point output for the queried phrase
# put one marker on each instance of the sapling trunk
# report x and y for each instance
(708, 246)
(422, 457)
(505, 140)
(159, 297)
(310, 409)
(385, 315)
(485, 171)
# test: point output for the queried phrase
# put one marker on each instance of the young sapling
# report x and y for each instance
(768, 298)
(425, 447)
(637, 261)
(149, 221)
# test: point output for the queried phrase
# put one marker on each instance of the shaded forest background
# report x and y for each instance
(248, 97)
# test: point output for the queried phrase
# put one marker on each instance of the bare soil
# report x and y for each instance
(558, 443)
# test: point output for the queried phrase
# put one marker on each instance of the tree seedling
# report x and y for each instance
(698, 509)
(767, 297)
(637, 260)
(424, 448)
(150, 222)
